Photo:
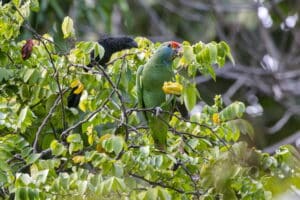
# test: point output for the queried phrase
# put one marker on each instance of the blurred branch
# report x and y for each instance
(232, 90)
(188, 15)
(153, 183)
(155, 20)
(291, 110)
(224, 7)
(284, 119)
(289, 140)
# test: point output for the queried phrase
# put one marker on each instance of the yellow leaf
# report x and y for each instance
(78, 159)
(89, 129)
(91, 139)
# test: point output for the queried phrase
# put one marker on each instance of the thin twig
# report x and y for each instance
(123, 108)
(92, 114)
(153, 183)
(56, 75)
(43, 124)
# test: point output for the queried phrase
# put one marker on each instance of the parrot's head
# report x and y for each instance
(169, 50)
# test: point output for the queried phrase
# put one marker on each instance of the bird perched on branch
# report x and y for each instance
(150, 80)
(111, 45)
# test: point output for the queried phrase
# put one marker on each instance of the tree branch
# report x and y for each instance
(153, 183)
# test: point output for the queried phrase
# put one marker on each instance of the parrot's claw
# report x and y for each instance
(158, 110)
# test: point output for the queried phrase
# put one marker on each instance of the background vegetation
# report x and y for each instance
(263, 36)
(48, 150)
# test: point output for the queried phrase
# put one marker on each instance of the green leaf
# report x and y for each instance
(117, 144)
(34, 5)
(242, 126)
(145, 150)
(24, 92)
(33, 193)
(85, 47)
(108, 145)
(203, 57)
(74, 138)
(188, 53)
(213, 52)
(118, 170)
(32, 158)
(120, 184)
(224, 46)
(98, 50)
(21, 194)
(40, 176)
(211, 71)
(158, 160)
(67, 27)
(5, 74)
(151, 194)
(73, 147)
(81, 53)
(17, 3)
(57, 148)
(25, 119)
(82, 186)
(233, 111)
(28, 74)
(190, 96)
(163, 194)
(23, 179)
(25, 9)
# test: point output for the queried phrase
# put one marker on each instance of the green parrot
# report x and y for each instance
(149, 82)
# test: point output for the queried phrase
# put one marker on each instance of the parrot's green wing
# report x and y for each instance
(150, 79)
(139, 89)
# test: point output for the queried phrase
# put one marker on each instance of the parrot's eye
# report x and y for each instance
(169, 45)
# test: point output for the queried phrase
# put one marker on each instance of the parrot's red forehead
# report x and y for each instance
(174, 44)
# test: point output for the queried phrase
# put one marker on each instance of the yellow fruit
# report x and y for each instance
(216, 118)
(172, 88)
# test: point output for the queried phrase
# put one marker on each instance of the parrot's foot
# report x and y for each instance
(158, 110)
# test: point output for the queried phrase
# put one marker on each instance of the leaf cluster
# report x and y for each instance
(50, 151)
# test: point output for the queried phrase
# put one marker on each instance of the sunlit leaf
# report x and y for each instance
(74, 138)
(233, 111)
(57, 148)
(190, 96)
(67, 27)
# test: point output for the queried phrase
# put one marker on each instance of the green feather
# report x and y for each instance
(149, 82)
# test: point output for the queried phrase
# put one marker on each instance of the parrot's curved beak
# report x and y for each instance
(177, 48)
(178, 51)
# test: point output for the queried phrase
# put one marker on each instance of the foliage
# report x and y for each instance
(51, 151)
